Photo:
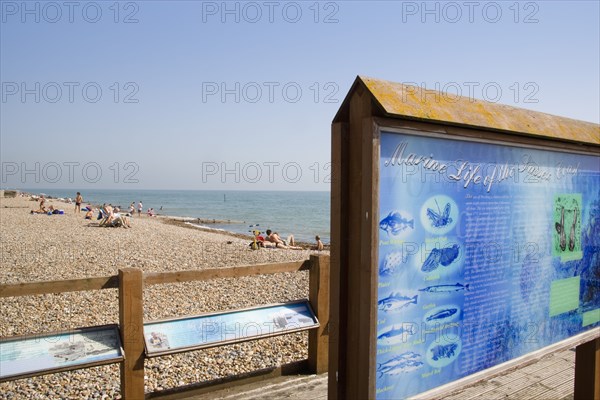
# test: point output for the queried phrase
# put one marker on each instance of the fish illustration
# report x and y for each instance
(443, 351)
(445, 288)
(396, 334)
(449, 254)
(395, 301)
(401, 368)
(445, 256)
(395, 223)
(443, 314)
(572, 233)
(391, 263)
(399, 359)
(439, 219)
(560, 228)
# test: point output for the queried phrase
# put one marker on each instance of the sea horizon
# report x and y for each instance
(301, 213)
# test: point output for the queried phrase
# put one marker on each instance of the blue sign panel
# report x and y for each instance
(486, 252)
(184, 334)
(52, 352)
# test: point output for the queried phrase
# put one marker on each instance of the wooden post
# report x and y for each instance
(318, 339)
(131, 319)
(587, 371)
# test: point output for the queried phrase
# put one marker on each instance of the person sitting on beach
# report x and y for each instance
(274, 237)
(120, 220)
(115, 219)
(319, 245)
(151, 212)
(89, 214)
(42, 209)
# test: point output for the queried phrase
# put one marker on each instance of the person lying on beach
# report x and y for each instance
(274, 237)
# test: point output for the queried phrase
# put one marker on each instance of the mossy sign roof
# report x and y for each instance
(411, 102)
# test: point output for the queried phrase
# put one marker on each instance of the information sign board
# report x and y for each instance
(208, 330)
(487, 251)
(32, 355)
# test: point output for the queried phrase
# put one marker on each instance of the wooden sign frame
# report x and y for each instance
(373, 105)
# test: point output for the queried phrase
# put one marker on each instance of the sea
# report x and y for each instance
(303, 214)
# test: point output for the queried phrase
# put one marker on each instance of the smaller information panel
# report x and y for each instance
(184, 334)
(35, 355)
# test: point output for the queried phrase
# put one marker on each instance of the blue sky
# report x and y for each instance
(240, 95)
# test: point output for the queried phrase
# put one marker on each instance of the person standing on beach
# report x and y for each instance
(78, 201)
(140, 208)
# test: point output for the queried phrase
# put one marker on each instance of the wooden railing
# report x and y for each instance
(131, 282)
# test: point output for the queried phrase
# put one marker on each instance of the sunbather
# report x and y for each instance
(319, 245)
(274, 237)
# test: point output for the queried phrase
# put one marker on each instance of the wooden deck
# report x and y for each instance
(551, 378)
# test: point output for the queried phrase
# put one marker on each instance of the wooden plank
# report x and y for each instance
(229, 383)
(355, 381)
(46, 287)
(369, 272)
(131, 321)
(587, 370)
(338, 261)
(318, 339)
(155, 278)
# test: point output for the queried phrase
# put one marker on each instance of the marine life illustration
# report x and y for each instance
(445, 288)
(395, 302)
(391, 263)
(568, 207)
(69, 352)
(396, 334)
(445, 257)
(443, 314)
(439, 219)
(528, 275)
(158, 340)
(403, 363)
(395, 223)
(443, 351)
(572, 233)
(560, 228)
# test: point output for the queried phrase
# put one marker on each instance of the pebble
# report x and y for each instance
(58, 247)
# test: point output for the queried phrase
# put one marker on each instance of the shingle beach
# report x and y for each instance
(57, 247)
